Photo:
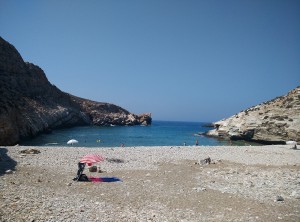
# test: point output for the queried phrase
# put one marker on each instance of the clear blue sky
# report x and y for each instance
(187, 60)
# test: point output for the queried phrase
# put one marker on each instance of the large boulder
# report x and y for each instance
(272, 122)
(30, 104)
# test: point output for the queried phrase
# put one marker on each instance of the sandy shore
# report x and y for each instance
(158, 184)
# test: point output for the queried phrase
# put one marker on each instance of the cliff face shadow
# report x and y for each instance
(6, 163)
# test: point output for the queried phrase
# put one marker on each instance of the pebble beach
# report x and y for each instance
(169, 183)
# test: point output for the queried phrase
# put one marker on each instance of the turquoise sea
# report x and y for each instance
(160, 133)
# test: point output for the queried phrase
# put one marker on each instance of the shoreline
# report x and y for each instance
(158, 184)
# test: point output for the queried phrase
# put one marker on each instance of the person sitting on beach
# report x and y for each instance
(80, 176)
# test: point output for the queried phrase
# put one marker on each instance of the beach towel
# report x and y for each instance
(104, 179)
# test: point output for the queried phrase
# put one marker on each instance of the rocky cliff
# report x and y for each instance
(272, 122)
(30, 104)
(105, 114)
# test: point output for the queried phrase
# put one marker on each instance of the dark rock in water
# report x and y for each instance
(272, 122)
(30, 104)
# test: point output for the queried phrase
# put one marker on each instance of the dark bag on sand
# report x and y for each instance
(83, 177)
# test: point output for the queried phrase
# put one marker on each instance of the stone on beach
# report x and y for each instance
(279, 198)
(30, 151)
(205, 161)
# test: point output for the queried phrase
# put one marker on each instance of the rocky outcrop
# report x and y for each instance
(272, 122)
(30, 104)
(105, 114)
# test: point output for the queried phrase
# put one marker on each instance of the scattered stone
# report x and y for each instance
(30, 151)
(199, 189)
(279, 198)
(115, 160)
(58, 201)
(100, 171)
(205, 161)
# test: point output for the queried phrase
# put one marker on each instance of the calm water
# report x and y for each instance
(160, 133)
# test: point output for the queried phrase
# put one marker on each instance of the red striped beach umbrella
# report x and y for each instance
(91, 159)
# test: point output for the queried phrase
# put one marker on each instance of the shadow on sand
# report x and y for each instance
(6, 163)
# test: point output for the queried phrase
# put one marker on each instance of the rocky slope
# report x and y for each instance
(275, 121)
(105, 114)
(30, 104)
